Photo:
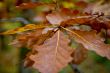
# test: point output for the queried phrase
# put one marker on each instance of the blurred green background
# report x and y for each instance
(11, 59)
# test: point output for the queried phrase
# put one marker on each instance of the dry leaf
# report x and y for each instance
(33, 5)
(56, 18)
(76, 20)
(91, 41)
(25, 28)
(28, 62)
(30, 38)
(27, 39)
(90, 20)
(53, 55)
(79, 54)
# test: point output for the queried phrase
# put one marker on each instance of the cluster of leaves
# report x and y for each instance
(64, 38)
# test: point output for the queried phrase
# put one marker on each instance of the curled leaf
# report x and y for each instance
(25, 28)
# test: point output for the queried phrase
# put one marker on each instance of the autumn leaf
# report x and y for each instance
(79, 54)
(30, 38)
(56, 18)
(91, 41)
(28, 62)
(25, 28)
(76, 20)
(53, 55)
(90, 20)
(30, 5)
(26, 39)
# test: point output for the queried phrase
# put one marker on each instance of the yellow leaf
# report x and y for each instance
(25, 28)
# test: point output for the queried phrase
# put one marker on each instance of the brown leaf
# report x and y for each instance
(30, 38)
(90, 20)
(28, 62)
(76, 20)
(33, 5)
(53, 55)
(91, 41)
(56, 18)
(35, 38)
(26, 39)
(79, 54)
